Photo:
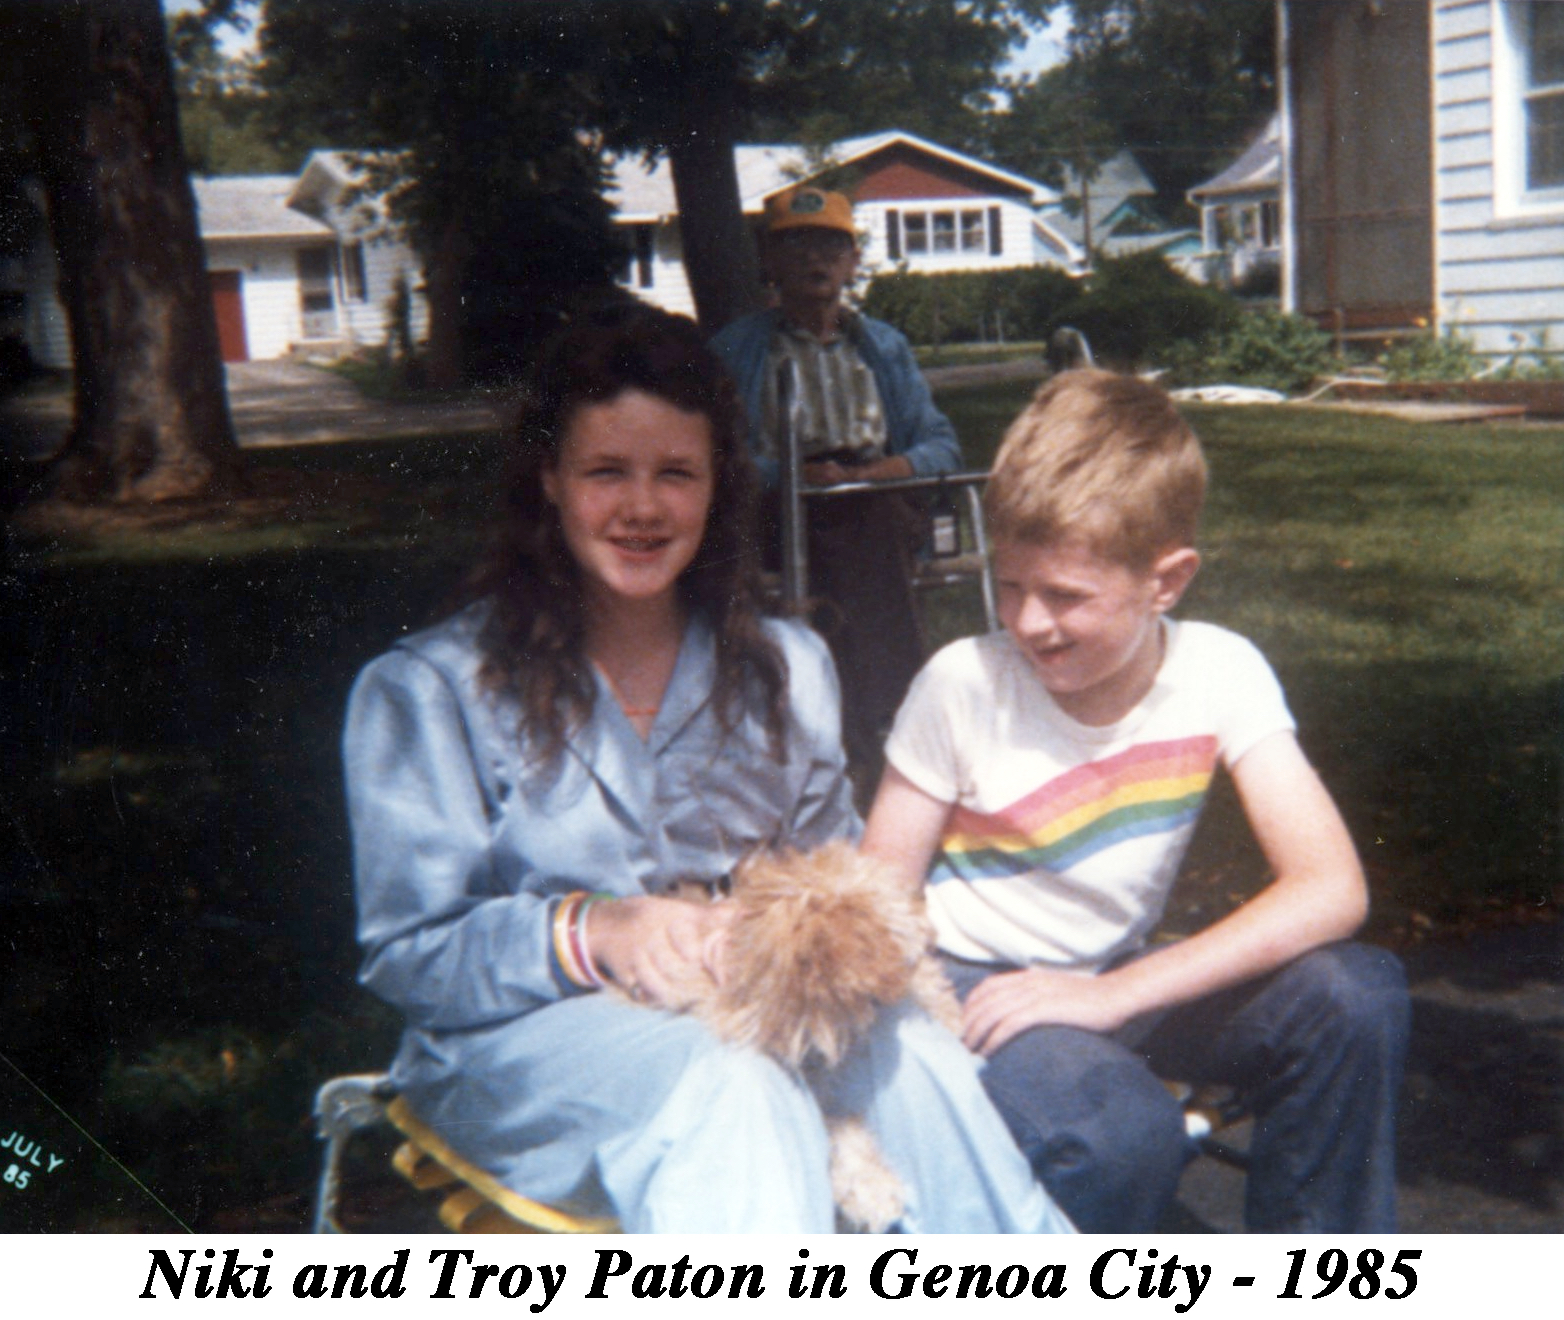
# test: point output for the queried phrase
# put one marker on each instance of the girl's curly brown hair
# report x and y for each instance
(533, 640)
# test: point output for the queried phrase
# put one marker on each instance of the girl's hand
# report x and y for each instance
(1005, 1005)
(659, 951)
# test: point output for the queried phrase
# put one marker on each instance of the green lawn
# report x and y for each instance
(176, 853)
(1407, 582)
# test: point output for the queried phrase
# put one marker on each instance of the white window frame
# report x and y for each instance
(1512, 198)
(944, 233)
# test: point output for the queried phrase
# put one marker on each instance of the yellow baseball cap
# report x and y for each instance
(813, 208)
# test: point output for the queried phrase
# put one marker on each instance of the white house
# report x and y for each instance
(1499, 170)
(920, 207)
(372, 256)
(1424, 181)
(1116, 197)
(295, 263)
(1241, 211)
(271, 268)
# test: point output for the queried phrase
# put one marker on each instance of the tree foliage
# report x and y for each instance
(979, 306)
(475, 121)
(693, 78)
(929, 67)
(1181, 83)
(473, 90)
(223, 117)
(1131, 309)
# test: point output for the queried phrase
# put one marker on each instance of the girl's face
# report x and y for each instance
(633, 485)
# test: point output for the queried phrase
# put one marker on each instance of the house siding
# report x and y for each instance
(45, 329)
(900, 177)
(670, 286)
(268, 288)
(367, 320)
(1500, 279)
(267, 265)
(1461, 18)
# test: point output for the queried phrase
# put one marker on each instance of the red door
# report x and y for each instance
(228, 303)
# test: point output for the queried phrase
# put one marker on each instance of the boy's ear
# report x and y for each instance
(1174, 572)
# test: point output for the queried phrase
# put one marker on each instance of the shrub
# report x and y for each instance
(971, 306)
(1134, 308)
(1537, 361)
(1449, 356)
(1130, 309)
(1266, 348)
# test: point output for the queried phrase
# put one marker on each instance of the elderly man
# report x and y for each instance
(861, 411)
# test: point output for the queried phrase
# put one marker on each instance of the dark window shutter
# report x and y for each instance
(996, 233)
(893, 234)
(643, 255)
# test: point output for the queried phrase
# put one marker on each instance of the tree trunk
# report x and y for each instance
(152, 420)
(446, 361)
(719, 252)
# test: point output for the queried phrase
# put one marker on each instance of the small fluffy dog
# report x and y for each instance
(819, 943)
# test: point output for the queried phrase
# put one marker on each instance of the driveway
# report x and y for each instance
(279, 402)
(283, 402)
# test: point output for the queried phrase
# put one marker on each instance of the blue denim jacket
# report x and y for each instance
(916, 429)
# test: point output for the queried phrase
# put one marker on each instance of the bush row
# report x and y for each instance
(1130, 308)
(1136, 312)
(990, 306)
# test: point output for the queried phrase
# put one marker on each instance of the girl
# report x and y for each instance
(610, 715)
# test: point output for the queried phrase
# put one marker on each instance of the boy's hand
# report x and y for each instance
(1005, 1005)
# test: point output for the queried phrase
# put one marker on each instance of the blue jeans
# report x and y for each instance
(1315, 1050)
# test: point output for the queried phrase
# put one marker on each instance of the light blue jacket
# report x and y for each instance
(916, 429)
(463, 844)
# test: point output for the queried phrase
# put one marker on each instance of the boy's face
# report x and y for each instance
(1089, 625)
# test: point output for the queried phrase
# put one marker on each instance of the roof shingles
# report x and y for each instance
(253, 206)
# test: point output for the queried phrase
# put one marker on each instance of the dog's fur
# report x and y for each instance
(819, 943)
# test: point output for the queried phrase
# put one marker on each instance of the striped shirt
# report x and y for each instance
(1064, 839)
(835, 402)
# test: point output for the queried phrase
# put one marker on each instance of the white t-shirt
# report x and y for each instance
(1065, 838)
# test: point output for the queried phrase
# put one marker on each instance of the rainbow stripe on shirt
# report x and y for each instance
(1153, 788)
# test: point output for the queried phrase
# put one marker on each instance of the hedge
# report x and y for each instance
(1131, 309)
(972, 306)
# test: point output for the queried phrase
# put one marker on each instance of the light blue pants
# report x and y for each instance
(596, 1104)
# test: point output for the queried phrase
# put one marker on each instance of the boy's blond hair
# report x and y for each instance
(1103, 458)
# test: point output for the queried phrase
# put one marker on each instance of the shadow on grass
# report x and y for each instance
(175, 876)
(1452, 800)
(174, 871)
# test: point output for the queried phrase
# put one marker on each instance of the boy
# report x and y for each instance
(1052, 775)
